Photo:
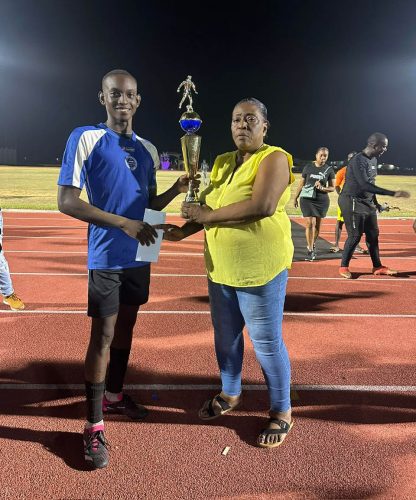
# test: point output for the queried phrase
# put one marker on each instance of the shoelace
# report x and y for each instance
(94, 440)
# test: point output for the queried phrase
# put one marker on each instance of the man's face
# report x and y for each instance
(380, 147)
(119, 96)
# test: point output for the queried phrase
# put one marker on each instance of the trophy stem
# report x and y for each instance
(191, 145)
(192, 194)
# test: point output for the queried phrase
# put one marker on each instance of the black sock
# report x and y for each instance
(117, 369)
(94, 393)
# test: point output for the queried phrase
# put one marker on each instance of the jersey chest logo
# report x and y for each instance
(131, 162)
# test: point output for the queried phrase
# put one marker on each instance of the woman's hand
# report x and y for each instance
(296, 203)
(171, 232)
(196, 212)
(319, 186)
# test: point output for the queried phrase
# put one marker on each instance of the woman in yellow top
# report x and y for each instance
(248, 250)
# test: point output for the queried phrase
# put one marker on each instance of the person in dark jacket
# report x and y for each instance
(359, 205)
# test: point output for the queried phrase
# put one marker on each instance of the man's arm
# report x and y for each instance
(69, 203)
(361, 176)
(159, 202)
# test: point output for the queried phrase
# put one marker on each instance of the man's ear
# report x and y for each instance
(101, 97)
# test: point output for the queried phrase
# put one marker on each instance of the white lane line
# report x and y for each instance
(309, 314)
(191, 254)
(188, 254)
(57, 238)
(168, 275)
(204, 387)
(45, 227)
(382, 233)
(47, 251)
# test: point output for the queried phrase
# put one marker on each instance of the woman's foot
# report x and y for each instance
(276, 431)
(218, 405)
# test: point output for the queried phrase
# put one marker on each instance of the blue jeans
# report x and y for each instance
(260, 308)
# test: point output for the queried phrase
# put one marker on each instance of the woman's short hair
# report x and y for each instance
(261, 107)
(321, 148)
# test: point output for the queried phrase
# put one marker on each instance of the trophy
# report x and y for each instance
(190, 122)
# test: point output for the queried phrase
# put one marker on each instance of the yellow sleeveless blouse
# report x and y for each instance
(249, 254)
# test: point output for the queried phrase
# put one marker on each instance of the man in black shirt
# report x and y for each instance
(359, 205)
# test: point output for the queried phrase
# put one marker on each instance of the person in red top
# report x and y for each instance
(339, 183)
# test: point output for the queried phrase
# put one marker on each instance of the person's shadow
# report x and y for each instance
(66, 445)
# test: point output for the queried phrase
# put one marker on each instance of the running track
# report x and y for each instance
(351, 345)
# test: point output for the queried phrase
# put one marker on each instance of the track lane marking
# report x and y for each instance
(171, 275)
(193, 387)
(309, 314)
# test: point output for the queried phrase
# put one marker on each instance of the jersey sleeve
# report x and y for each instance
(78, 148)
(305, 171)
(361, 176)
(331, 174)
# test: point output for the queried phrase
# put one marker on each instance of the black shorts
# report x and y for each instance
(317, 207)
(108, 289)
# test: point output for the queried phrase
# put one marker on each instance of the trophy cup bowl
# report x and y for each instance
(190, 123)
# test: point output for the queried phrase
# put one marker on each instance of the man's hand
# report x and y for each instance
(141, 231)
(195, 212)
(402, 194)
(183, 182)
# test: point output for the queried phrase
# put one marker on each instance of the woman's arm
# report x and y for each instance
(326, 189)
(298, 190)
(271, 181)
(176, 233)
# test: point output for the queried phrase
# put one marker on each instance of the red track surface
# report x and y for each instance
(350, 439)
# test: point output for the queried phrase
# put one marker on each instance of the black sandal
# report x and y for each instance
(225, 408)
(284, 430)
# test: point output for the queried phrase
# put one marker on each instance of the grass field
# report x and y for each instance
(34, 188)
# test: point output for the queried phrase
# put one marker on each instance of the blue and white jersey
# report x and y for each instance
(118, 172)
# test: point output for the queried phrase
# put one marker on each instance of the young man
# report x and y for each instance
(6, 285)
(339, 183)
(118, 169)
(359, 205)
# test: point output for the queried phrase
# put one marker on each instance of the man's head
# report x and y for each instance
(119, 95)
(377, 144)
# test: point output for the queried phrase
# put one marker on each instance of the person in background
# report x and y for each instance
(6, 286)
(316, 182)
(359, 205)
(118, 169)
(248, 250)
(339, 182)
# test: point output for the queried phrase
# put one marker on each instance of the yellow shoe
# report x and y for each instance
(14, 302)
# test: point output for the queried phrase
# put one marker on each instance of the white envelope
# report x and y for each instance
(151, 253)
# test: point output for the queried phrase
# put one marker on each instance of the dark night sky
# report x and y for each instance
(330, 72)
